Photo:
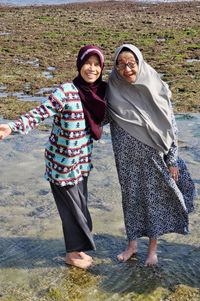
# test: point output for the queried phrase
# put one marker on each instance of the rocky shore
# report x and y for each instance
(38, 46)
(38, 49)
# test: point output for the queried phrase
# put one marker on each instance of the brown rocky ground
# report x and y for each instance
(32, 39)
(35, 38)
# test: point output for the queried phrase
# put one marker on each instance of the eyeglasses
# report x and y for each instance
(122, 66)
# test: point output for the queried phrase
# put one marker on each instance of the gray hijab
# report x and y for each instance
(141, 108)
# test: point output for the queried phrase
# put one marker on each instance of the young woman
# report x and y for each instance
(78, 108)
(157, 191)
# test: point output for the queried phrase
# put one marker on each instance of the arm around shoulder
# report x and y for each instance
(107, 118)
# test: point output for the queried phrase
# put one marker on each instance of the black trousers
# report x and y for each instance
(71, 202)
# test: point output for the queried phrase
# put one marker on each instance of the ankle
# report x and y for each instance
(132, 245)
(72, 255)
(152, 248)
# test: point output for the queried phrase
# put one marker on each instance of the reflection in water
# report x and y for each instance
(47, 74)
(193, 60)
(31, 243)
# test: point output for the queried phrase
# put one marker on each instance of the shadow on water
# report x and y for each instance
(30, 253)
(178, 263)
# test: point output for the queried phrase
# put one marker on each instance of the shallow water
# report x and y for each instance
(31, 244)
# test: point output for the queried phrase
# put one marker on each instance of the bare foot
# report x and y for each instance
(132, 249)
(85, 256)
(78, 259)
(152, 258)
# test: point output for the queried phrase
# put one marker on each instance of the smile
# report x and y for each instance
(90, 74)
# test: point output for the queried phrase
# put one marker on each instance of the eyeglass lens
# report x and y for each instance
(129, 64)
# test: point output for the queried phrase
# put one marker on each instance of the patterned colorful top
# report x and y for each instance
(69, 149)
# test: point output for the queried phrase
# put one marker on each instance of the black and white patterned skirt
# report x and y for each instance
(153, 203)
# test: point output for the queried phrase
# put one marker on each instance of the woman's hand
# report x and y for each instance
(174, 172)
(5, 130)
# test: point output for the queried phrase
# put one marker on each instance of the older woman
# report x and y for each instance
(78, 109)
(157, 191)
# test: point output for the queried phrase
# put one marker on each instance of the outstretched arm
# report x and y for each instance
(5, 130)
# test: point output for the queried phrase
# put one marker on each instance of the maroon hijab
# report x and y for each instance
(92, 95)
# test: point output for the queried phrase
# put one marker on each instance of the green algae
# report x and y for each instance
(184, 293)
(56, 294)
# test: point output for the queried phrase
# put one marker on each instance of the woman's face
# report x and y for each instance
(91, 70)
(127, 66)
